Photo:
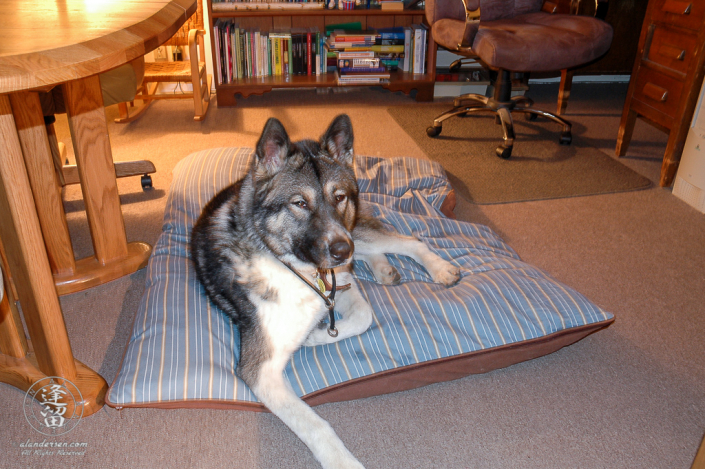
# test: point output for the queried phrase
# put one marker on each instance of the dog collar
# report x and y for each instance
(321, 288)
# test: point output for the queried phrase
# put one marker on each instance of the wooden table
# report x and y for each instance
(45, 43)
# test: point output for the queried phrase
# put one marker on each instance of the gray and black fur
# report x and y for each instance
(298, 204)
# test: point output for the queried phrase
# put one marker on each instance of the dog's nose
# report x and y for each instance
(340, 250)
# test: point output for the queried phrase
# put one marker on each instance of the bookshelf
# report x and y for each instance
(268, 19)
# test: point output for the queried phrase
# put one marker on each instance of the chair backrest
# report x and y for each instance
(195, 22)
(489, 9)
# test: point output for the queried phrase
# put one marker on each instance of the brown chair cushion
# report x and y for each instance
(532, 42)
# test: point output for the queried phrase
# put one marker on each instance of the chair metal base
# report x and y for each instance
(474, 103)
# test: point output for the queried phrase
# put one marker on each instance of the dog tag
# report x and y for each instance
(321, 285)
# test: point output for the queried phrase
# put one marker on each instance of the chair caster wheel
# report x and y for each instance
(146, 182)
(433, 131)
(530, 116)
(504, 151)
(566, 138)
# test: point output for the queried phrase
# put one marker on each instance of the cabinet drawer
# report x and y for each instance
(684, 13)
(658, 91)
(672, 49)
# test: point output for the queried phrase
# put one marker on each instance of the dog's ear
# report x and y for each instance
(272, 148)
(338, 139)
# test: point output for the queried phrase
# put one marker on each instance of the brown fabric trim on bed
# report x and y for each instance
(448, 205)
(451, 368)
(411, 376)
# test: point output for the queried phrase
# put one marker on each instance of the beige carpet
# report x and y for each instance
(539, 168)
(629, 397)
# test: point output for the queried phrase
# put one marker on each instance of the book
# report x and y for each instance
(309, 51)
(373, 49)
(363, 74)
(407, 49)
(358, 63)
(396, 32)
(418, 52)
(348, 36)
(355, 54)
(345, 80)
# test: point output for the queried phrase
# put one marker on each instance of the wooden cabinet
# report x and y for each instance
(267, 20)
(667, 76)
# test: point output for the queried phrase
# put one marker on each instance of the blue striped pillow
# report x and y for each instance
(184, 352)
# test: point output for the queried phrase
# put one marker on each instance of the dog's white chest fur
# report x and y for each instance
(291, 309)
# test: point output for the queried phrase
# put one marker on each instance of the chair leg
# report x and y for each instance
(201, 80)
(505, 149)
(558, 120)
(564, 90)
(201, 96)
(502, 104)
(467, 104)
(470, 99)
(143, 94)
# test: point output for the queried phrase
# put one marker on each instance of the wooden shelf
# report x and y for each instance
(372, 18)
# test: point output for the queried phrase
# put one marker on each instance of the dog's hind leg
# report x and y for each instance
(276, 393)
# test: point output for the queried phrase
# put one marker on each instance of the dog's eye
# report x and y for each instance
(340, 198)
(301, 204)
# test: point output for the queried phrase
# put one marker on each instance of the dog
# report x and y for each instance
(297, 210)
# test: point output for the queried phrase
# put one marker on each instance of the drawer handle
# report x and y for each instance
(672, 52)
(655, 92)
(679, 8)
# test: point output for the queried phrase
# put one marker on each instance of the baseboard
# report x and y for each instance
(585, 79)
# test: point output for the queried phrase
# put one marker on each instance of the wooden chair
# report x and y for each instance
(193, 71)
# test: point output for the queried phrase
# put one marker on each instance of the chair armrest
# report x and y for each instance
(472, 24)
(195, 42)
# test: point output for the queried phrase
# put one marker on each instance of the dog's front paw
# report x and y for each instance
(387, 275)
(445, 273)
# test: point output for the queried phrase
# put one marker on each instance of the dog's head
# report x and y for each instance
(306, 195)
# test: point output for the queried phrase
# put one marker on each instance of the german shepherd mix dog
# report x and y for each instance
(296, 210)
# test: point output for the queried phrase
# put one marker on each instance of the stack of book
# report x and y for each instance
(246, 53)
(387, 44)
(361, 68)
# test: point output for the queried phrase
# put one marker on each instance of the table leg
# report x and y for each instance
(29, 265)
(113, 256)
(43, 180)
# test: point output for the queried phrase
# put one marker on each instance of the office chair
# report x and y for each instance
(511, 36)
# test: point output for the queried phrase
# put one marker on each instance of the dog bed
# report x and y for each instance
(183, 352)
